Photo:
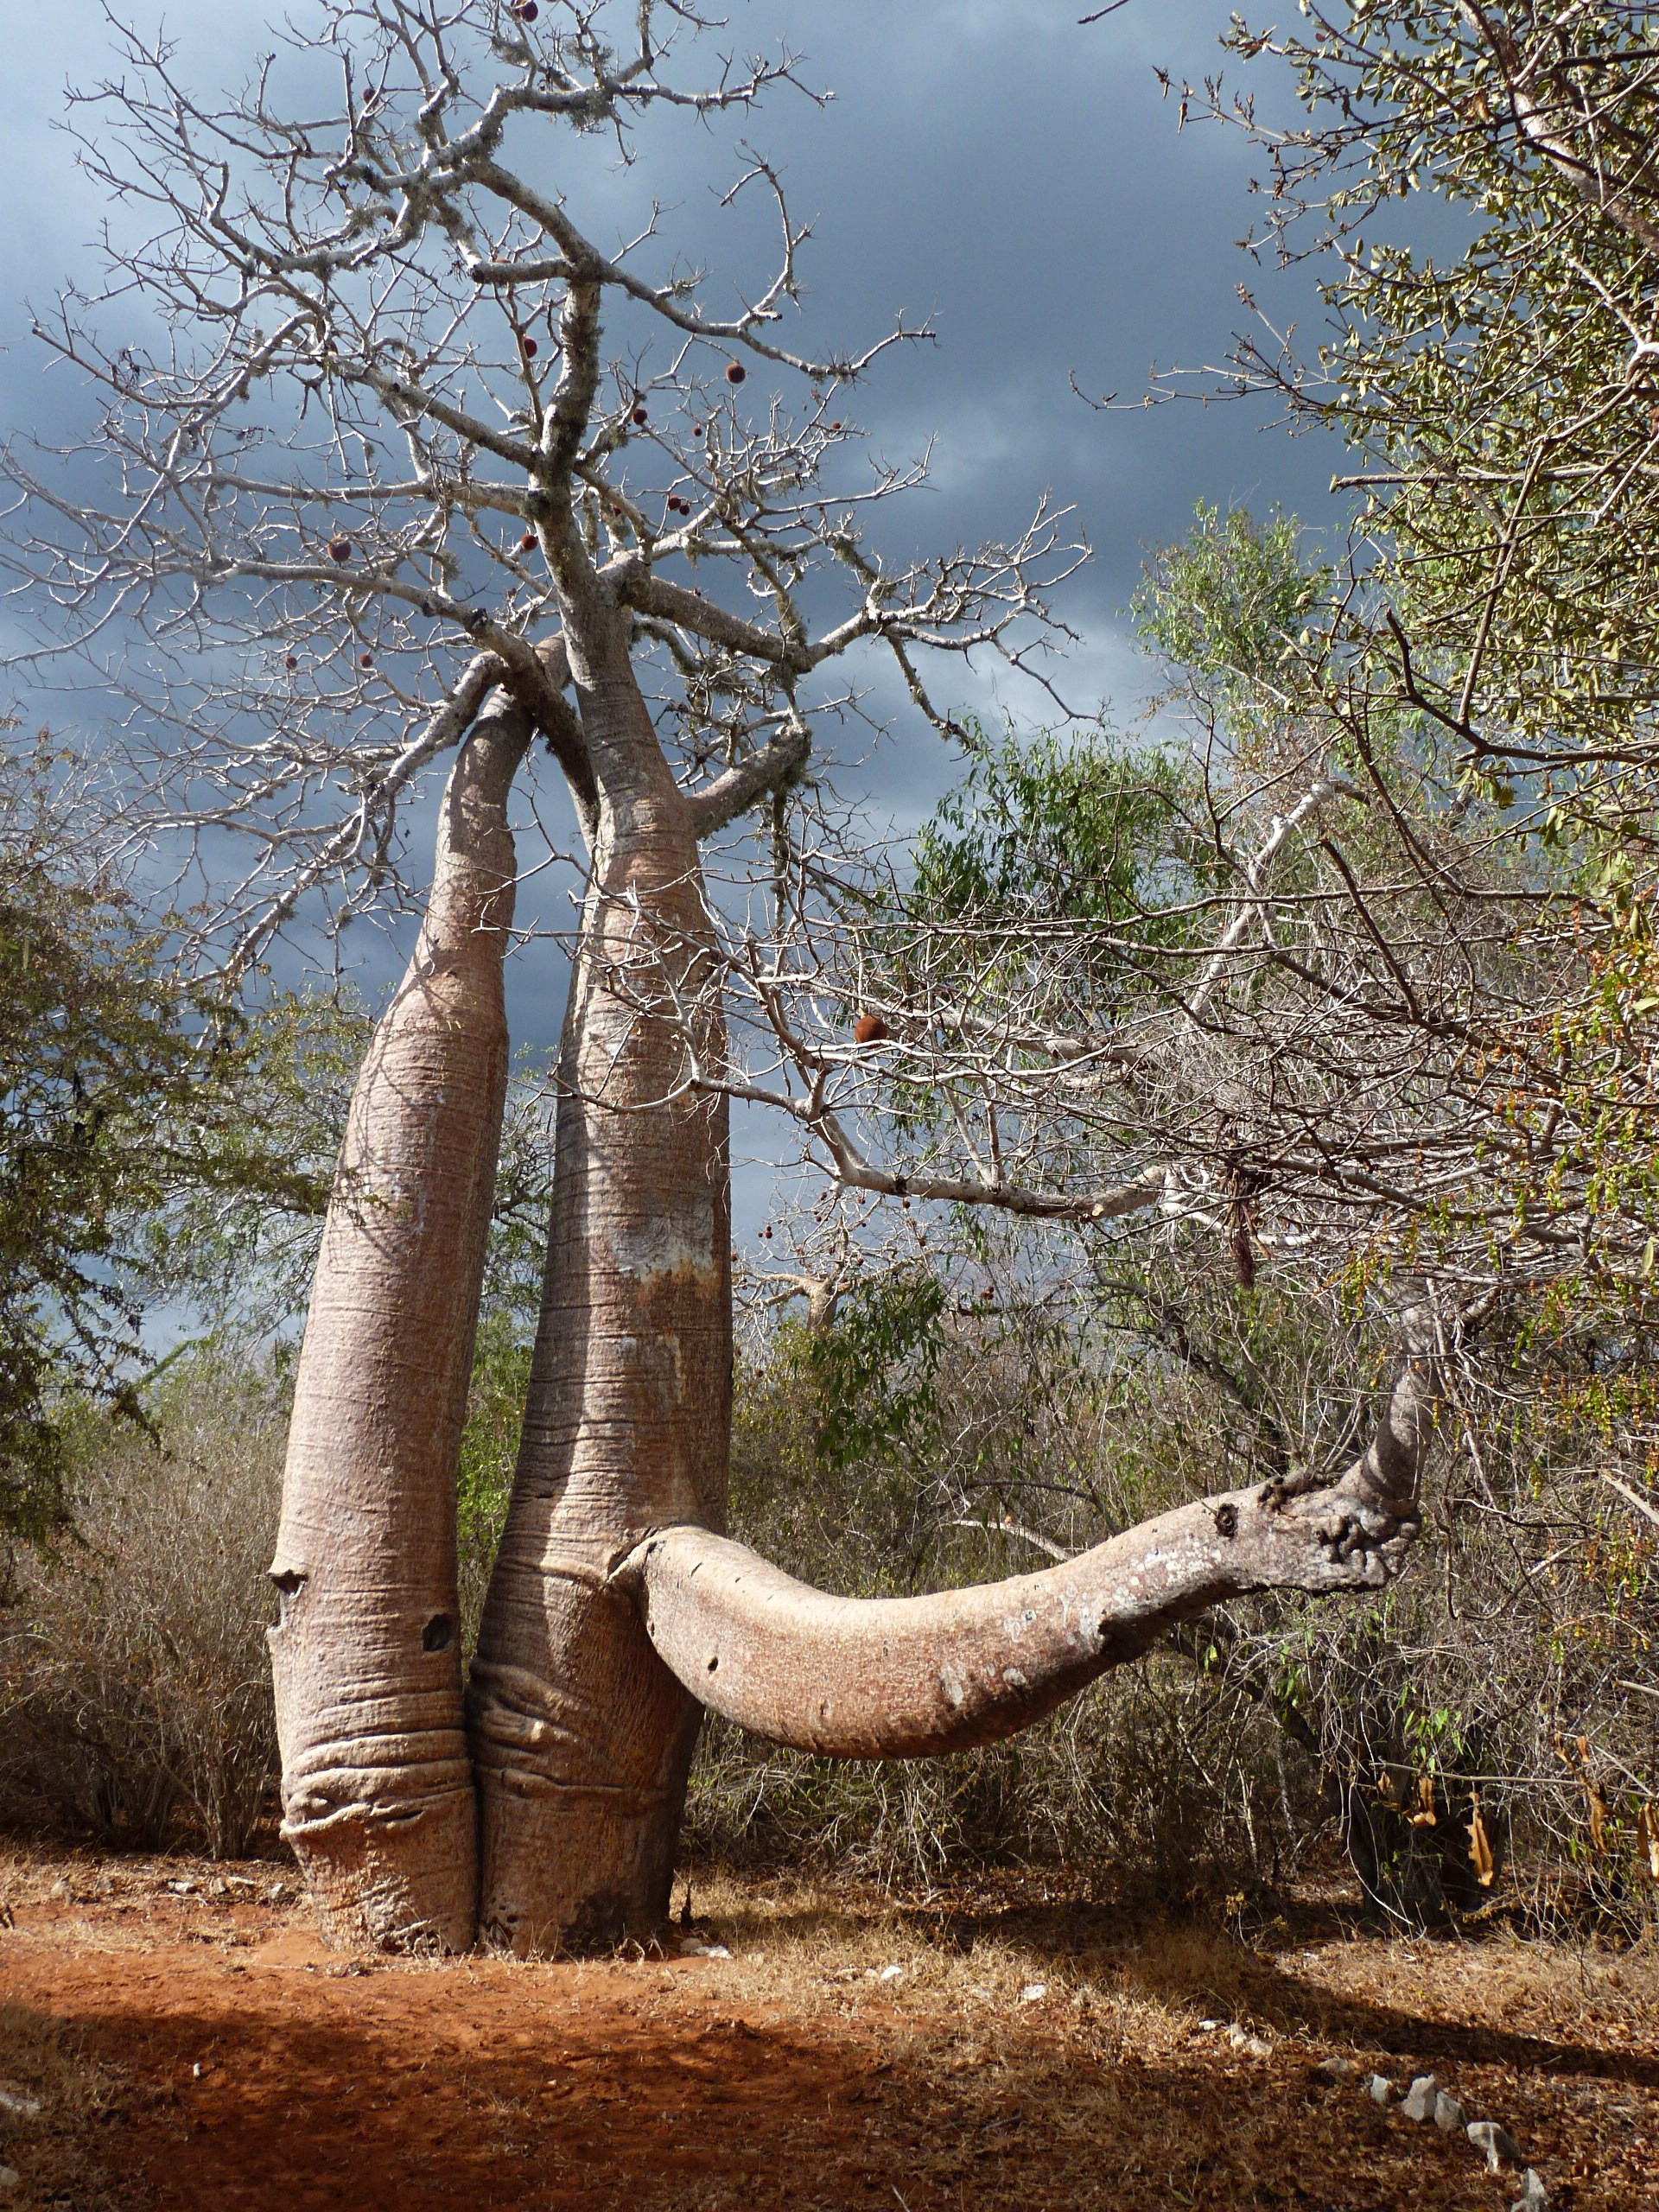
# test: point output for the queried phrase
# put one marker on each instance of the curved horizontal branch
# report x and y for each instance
(909, 1677)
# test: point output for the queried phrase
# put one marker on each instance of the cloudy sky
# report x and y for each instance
(991, 164)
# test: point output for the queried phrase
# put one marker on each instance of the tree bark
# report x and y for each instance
(908, 1677)
(582, 1737)
(378, 1798)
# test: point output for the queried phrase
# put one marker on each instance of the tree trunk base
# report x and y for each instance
(403, 1880)
(581, 1772)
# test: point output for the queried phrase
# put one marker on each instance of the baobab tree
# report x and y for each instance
(396, 458)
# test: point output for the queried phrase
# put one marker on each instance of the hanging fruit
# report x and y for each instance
(527, 542)
(530, 348)
(340, 549)
(735, 373)
(640, 416)
(870, 1029)
(290, 661)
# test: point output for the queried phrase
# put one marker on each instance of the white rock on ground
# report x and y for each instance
(9, 2177)
(1420, 2097)
(1338, 2069)
(1449, 2115)
(891, 1974)
(1496, 2142)
(1533, 2196)
(16, 2106)
(1380, 2089)
(1034, 1993)
(1242, 2039)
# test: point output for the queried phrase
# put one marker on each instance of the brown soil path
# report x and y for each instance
(261, 2073)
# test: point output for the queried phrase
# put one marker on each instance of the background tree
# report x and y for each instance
(126, 1094)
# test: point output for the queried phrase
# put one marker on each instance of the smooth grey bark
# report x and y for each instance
(377, 1788)
(908, 1677)
(582, 1737)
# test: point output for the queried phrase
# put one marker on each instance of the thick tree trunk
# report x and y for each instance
(581, 1736)
(907, 1677)
(376, 1791)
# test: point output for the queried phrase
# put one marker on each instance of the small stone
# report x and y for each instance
(1338, 2069)
(1496, 2142)
(1380, 2089)
(1449, 2115)
(1420, 2097)
(1257, 2047)
(716, 1951)
(16, 2106)
(182, 1889)
(1208, 2027)
(891, 1974)
(1533, 2196)
(9, 2177)
(1034, 1993)
(693, 1947)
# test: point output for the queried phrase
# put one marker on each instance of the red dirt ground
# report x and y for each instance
(245, 2069)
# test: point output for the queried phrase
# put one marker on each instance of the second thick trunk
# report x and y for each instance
(581, 1737)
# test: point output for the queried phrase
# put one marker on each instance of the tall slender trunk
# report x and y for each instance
(582, 1737)
(377, 1788)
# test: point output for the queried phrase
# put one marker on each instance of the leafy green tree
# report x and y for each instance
(125, 1094)
(1502, 396)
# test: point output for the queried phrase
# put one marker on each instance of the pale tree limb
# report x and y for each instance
(773, 769)
(909, 1677)
(1548, 128)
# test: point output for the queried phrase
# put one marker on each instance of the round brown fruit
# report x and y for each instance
(735, 373)
(641, 415)
(366, 660)
(290, 661)
(527, 542)
(340, 549)
(526, 11)
(835, 426)
(870, 1029)
(531, 349)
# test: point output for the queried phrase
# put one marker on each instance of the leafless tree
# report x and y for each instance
(396, 456)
